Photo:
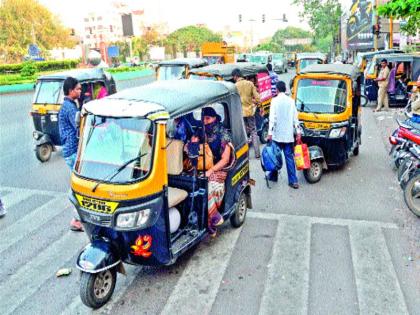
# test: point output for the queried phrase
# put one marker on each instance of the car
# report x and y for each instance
(279, 63)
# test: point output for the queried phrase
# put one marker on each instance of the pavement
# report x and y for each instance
(346, 245)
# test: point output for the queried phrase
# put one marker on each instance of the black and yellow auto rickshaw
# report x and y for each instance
(176, 69)
(47, 101)
(257, 73)
(137, 201)
(405, 70)
(305, 59)
(328, 99)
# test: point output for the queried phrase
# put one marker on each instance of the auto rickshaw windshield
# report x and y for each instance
(171, 72)
(48, 92)
(321, 96)
(194, 76)
(115, 150)
(306, 62)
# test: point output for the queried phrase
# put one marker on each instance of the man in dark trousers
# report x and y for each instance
(283, 123)
(68, 130)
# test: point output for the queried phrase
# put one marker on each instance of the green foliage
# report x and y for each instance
(323, 44)
(289, 33)
(408, 10)
(269, 46)
(40, 66)
(28, 69)
(190, 38)
(323, 15)
(9, 79)
(26, 22)
(125, 69)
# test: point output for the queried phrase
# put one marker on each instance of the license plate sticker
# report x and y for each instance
(313, 125)
(96, 205)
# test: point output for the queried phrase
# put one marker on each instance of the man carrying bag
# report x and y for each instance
(283, 123)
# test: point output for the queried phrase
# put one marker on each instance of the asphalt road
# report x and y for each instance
(346, 245)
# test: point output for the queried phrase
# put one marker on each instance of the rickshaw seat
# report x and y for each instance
(176, 196)
(174, 153)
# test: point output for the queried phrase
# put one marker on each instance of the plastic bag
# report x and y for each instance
(302, 159)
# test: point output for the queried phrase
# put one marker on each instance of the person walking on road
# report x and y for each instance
(274, 79)
(68, 131)
(283, 123)
(249, 99)
(383, 80)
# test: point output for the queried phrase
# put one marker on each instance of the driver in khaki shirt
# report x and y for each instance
(383, 79)
(249, 98)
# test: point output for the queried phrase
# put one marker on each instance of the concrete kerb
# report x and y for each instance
(119, 76)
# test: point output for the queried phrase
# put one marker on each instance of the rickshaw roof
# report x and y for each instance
(175, 97)
(79, 74)
(311, 56)
(192, 62)
(340, 69)
(397, 57)
(225, 70)
(380, 52)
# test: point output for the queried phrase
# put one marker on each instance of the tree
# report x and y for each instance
(288, 33)
(408, 10)
(323, 17)
(190, 38)
(27, 22)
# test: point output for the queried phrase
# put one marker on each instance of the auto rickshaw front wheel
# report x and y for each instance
(238, 218)
(314, 173)
(43, 152)
(96, 288)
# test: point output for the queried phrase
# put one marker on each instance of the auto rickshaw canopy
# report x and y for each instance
(90, 74)
(413, 59)
(315, 55)
(161, 100)
(334, 69)
(191, 62)
(224, 71)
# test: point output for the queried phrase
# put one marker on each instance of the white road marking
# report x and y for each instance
(30, 277)
(18, 190)
(378, 289)
(320, 220)
(14, 198)
(197, 288)
(287, 283)
(18, 230)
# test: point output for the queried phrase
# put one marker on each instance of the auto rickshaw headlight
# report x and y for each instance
(338, 132)
(133, 219)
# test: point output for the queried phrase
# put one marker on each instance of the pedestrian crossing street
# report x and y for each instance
(196, 286)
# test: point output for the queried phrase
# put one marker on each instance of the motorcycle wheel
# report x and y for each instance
(412, 194)
(96, 288)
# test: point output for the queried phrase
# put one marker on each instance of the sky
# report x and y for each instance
(216, 14)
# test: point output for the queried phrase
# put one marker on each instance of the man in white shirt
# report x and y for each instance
(282, 125)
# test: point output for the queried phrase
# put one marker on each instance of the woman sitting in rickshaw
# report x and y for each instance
(220, 143)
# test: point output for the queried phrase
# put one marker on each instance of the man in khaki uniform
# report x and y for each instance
(249, 98)
(383, 79)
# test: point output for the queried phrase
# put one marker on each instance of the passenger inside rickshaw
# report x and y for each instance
(214, 134)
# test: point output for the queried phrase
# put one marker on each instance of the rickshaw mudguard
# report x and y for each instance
(316, 153)
(97, 256)
(45, 138)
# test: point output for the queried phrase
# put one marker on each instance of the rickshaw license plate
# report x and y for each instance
(96, 205)
(42, 110)
(313, 125)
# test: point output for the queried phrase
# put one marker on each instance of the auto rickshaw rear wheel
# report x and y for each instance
(238, 218)
(43, 152)
(96, 288)
(314, 173)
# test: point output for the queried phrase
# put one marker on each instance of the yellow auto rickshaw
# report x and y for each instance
(328, 99)
(137, 201)
(305, 59)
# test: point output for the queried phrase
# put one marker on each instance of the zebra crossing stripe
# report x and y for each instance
(378, 289)
(18, 190)
(14, 198)
(287, 283)
(197, 288)
(30, 277)
(18, 230)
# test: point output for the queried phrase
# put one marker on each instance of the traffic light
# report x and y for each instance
(263, 18)
(240, 18)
